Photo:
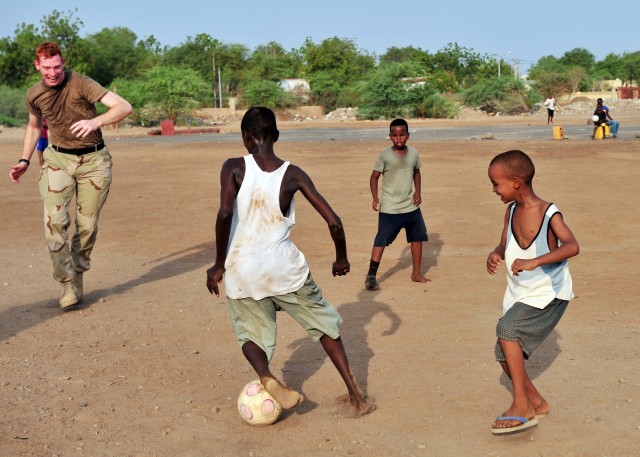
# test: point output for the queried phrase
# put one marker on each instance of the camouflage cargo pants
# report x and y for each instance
(63, 176)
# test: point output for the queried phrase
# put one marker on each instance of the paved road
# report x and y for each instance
(537, 133)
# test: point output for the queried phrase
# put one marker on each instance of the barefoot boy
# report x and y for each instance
(263, 270)
(534, 247)
(399, 206)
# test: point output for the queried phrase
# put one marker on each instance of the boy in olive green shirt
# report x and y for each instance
(398, 205)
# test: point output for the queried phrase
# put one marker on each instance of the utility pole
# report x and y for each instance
(213, 64)
(220, 86)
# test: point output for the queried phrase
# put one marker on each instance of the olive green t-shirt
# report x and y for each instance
(396, 195)
(66, 104)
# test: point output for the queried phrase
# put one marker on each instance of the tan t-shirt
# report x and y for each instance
(66, 104)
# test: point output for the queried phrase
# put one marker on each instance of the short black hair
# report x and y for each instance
(516, 164)
(399, 123)
(260, 122)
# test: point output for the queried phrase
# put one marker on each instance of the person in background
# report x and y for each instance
(550, 103)
(604, 117)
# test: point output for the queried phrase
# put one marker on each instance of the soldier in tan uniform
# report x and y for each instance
(76, 162)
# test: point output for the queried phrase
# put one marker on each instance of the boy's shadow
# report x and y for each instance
(540, 361)
(308, 356)
(430, 252)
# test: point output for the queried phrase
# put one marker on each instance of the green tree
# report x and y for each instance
(578, 78)
(401, 90)
(175, 90)
(545, 64)
(12, 109)
(64, 29)
(463, 62)
(203, 52)
(337, 57)
(611, 67)
(631, 68)
(550, 77)
(406, 54)
(578, 57)
(507, 95)
(332, 67)
(195, 53)
(135, 92)
(325, 90)
(271, 62)
(115, 53)
(17, 55)
(267, 93)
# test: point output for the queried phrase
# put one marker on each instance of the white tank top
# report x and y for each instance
(261, 259)
(539, 287)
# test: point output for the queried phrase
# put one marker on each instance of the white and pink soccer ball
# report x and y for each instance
(256, 406)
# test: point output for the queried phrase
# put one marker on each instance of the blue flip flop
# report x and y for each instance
(525, 424)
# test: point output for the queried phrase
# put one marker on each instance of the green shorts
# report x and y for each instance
(255, 320)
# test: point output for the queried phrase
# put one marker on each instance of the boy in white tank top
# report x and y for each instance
(534, 246)
(263, 270)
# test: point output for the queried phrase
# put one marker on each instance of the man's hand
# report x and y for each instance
(17, 171)
(84, 127)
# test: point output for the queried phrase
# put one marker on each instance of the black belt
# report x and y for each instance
(79, 152)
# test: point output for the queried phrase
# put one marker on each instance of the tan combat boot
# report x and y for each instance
(69, 297)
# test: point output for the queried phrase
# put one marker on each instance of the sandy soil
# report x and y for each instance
(148, 366)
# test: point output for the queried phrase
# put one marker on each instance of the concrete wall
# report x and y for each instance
(591, 95)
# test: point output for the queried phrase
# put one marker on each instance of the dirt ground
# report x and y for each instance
(148, 365)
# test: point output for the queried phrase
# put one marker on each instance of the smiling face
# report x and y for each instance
(503, 184)
(51, 69)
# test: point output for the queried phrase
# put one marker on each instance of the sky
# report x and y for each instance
(520, 32)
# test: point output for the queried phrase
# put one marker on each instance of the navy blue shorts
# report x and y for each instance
(389, 225)
(42, 144)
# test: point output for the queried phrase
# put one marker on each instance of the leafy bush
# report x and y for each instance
(174, 90)
(134, 91)
(402, 90)
(435, 106)
(506, 95)
(269, 94)
(325, 90)
(12, 110)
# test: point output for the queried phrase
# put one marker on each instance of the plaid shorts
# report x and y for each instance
(528, 325)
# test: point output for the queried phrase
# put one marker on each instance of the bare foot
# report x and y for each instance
(417, 277)
(358, 401)
(359, 405)
(287, 398)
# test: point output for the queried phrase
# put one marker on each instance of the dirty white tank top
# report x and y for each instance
(262, 261)
(538, 287)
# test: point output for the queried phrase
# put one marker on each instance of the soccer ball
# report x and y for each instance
(595, 118)
(256, 406)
